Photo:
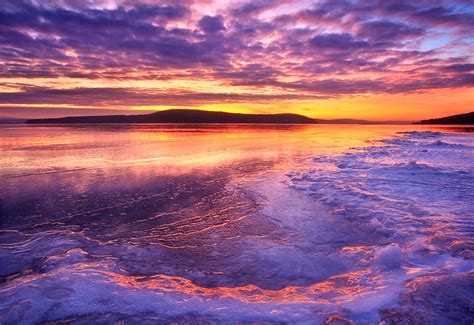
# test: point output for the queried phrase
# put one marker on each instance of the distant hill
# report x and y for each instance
(10, 120)
(181, 116)
(199, 116)
(467, 118)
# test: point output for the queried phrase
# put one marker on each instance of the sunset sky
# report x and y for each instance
(373, 59)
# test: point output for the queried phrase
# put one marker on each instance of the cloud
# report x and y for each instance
(116, 97)
(467, 67)
(340, 42)
(440, 15)
(380, 30)
(291, 50)
(252, 8)
(211, 24)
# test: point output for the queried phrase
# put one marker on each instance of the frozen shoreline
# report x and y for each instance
(413, 196)
(376, 232)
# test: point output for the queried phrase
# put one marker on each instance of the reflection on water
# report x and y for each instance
(236, 223)
(80, 158)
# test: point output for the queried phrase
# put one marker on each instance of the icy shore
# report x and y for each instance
(381, 232)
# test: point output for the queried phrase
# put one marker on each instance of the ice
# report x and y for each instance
(378, 231)
(389, 256)
(416, 192)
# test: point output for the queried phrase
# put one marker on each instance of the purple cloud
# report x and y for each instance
(326, 48)
(211, 24)
(337, 42)
(114, 97)
(388, 30)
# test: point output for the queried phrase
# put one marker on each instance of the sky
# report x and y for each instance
(374, 59)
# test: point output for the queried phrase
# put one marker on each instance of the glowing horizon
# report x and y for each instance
(375, 60)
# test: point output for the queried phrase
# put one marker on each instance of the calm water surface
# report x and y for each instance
(239, 223)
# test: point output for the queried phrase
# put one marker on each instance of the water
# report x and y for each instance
(234, 224)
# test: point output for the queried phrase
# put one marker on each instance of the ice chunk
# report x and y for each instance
(389, 256)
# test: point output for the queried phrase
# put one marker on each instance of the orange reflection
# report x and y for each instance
(345, 287)
(87, 152)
